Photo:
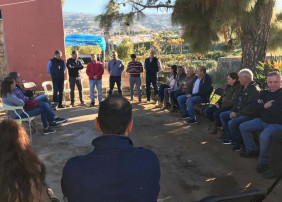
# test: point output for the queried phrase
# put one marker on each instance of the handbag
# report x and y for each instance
(31, 104)
(29, 93)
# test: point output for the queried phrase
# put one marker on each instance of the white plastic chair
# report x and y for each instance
(45, 85)
(47, 92)
(29, 85)
(8, 108)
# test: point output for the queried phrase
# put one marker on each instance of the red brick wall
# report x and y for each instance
(33, 30)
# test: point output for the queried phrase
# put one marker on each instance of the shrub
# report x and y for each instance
(262, 70)
(125, 49)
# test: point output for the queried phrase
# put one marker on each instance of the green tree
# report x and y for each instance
(85, 50)
(245, 22)
(125, 48)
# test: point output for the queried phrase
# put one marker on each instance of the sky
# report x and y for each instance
(98, 6)
(90, 6)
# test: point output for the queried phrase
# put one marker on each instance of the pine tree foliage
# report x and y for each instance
(275, 39)
(204, 21)
(113, 11)
(240, 22)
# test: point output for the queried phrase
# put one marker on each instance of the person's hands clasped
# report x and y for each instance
(233, 115)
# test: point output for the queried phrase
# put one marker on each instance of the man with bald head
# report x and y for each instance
(152, 66)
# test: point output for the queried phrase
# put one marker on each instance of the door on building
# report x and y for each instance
(3, 55)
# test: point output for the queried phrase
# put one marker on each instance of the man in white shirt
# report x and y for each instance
(200, 93)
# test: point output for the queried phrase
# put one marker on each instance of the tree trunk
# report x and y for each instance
(108, 45)
(254, 39)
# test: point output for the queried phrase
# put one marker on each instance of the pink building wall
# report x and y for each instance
(33, 30)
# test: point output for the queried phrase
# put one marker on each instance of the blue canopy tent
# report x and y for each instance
(86, 40)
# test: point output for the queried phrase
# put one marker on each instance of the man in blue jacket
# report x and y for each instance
(114, 170)
(56, 68)
(200, 93)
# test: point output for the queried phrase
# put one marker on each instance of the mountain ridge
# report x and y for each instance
(85, 23)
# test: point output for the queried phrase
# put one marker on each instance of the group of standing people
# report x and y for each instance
(95, 70)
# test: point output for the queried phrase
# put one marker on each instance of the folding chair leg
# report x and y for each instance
(64, 95)
(30, 131)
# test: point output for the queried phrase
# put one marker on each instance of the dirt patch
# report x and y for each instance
(193, 163)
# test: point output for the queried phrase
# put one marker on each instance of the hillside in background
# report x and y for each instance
(85, 23)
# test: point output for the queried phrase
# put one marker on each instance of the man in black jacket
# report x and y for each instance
(56, 68)
(269, 105)
(242, 110)
(74, 66)
(200, 93)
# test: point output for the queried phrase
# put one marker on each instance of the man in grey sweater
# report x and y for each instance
(115, 69)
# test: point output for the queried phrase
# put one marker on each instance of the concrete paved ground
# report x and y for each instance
(193, 163)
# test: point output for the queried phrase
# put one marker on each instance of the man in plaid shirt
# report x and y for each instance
(134, 69)
(23, 94)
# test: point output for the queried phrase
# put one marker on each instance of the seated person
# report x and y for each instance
(43, 109)
(242, 110)
(201, 93)
(186, 84)
(176, 89)
(164, 87)
(21, 93)
(225, 103)
(25, 96)
(114, 170)
(275, 158)
(269, 105)
(22, 173)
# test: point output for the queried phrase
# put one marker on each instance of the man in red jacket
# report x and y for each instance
(95, 70)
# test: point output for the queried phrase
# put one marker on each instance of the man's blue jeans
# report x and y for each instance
(182, 104)
(187, 105)
(231, 127)
(42, 98)
(213, 114)
(265, 136)
(174, 94)
(190, 103)
(98, 84)
(43, 109)
(161, 91)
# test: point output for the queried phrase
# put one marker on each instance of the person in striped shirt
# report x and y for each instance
(134, 69)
